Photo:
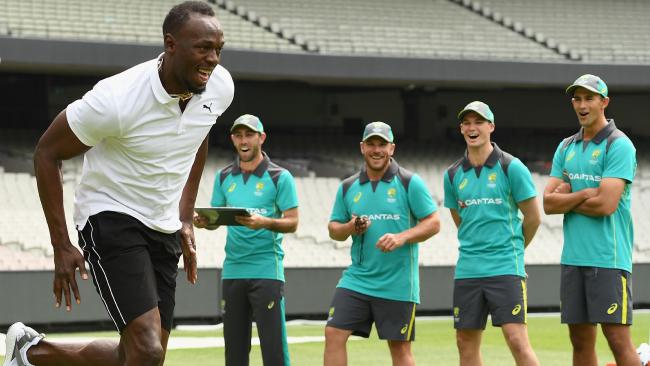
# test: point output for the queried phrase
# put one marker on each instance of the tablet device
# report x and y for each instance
(222, 215)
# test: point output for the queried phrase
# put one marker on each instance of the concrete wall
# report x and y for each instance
(27, 296)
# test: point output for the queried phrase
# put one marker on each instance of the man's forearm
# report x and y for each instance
(560, 203)
(50, 191)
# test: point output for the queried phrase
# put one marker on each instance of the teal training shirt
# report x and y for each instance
(267, 191)
(604, 241)
(391, 207)
(490, 233)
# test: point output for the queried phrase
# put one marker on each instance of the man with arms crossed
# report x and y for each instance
(387, 210)
(144, 133)
(253, 274)
(590, 184)
(484, 191)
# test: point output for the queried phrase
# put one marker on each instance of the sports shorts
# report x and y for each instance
(133, 267)
(595, 295)
(503, 297)
(351, 310)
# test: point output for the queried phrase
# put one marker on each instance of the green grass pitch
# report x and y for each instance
(434, 345)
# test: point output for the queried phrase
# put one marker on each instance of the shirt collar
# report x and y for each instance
(601, 135)
(390, 173)
(259, 170)
(491, 161)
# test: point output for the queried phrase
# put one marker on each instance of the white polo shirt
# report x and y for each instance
(143, 147)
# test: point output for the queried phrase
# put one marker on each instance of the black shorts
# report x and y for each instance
(351, 310)
(595, 295)
(503, 297)
(133, 267)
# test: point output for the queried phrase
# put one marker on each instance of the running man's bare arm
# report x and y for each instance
(532, 219)
(186, 211)
(59, 143)
(605, 202)
(558, 198)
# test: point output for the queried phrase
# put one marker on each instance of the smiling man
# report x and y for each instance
(253, 273)
(144, 133)
(484, 191)
(387, 210)
(590, 184)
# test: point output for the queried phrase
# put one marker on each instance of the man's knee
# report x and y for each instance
(335, 336)
(467, 341)
(142, 340)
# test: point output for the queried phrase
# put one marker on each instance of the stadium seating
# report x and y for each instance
(599, 31)
(121, 22)
(408, 28)
(443, 29)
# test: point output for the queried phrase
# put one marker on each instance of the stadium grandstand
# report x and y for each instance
(316, 72)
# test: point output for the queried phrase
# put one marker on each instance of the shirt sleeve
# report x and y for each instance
(340, 212)
(451, 200)
(287, 197)
(420, 200)
(558, 162)
(218, 198)
(95, 116)
(620, 161)
(521, 181)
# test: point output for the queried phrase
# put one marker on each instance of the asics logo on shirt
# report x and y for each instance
(357, 197)
(462, 184)
(232, 187)
(570, 156)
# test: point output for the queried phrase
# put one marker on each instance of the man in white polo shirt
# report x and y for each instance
(144, 133)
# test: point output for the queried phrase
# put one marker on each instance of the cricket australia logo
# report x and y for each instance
(392, 192)
(594, 157)
(492, 180)
(258, 189)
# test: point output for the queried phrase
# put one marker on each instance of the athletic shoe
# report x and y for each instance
(19, 339)
(644, 353)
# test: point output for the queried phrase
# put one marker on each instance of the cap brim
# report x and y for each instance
(378, 135)
(573, 87)
(465, 111)
(245, 125)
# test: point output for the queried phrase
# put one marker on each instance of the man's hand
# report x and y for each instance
(389, 242)
(188, 245)
(66, 261)
(202, 222)
(254, 221)
(361, 224)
